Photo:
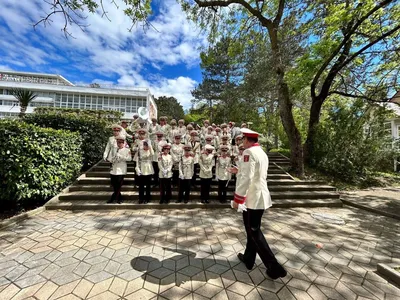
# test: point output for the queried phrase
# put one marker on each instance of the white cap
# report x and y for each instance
(120, 137)
(116, 126)
(209, 147)
(249, 133)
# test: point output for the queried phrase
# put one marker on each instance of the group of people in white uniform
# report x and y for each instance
(173, 154)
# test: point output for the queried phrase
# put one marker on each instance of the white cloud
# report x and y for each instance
(105, 49)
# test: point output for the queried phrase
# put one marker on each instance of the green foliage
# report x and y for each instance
(283, 151)
(351, 141)
(110, 115)
(36, 163)
(169, 107)
(93, 130)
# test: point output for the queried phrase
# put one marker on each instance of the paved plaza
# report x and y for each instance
(191, 254)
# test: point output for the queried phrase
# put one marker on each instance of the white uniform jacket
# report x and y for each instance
(157, 149)
(153, 130)
(119, 166)
(111, 149)
(206, 163)
(251, 183)
(144, 162)
(176, 153)
(182, 132)
(186, 167)
(165, 129)
(165, 165)
(195, 149)
(221, 169)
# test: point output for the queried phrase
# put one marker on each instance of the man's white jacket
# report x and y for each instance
(251, 184)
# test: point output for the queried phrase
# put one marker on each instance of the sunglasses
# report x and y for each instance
(116, 129)
(120, 142)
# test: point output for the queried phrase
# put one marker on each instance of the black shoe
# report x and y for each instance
(241, 258)
(110, 201)
(161, 202)
(202, 201)
(146, 201)
(141, 201)
(119, 201)
(186, 201)
(275, 271)
(207, 201)
(178, 201)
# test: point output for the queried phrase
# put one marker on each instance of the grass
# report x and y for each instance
(371, 180)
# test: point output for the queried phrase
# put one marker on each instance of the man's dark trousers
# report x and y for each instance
(256, 242)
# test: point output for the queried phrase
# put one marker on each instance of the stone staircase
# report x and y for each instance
(92, 190)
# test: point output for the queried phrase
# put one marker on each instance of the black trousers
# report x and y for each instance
(175, 176)
(222, 188)
(205, 188)
(144, 182)
(184, 189)
(116, 182)
(256, 242)
(156, 171)
(165, 190)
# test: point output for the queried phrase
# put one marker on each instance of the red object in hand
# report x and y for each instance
(319, 245)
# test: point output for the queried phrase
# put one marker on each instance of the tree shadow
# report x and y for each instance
(181, 266)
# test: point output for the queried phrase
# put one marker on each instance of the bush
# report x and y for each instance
(93, 131)
(352, 141)
(37, 163)
(110, 115)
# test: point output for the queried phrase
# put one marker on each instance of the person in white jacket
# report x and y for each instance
(194, 141)
(157, 152)
(165, 166)
(144, 171)
(186, 171)
(253, 198)
(119, 168)
(221, 172)
(207, 162)
(111, 146)
(176, 153)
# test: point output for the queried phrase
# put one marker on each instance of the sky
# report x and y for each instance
(164, 58)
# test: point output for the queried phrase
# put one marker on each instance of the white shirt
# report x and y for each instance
(251, 183)
(119, 166)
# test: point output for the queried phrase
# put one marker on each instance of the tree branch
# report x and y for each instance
(369, 99)
(390, 32)
(264, 21)
(279, 14)
(344, 41)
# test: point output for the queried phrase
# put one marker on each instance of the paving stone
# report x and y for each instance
(240, 288)
(83, 288)
(64, 290)
(28, 281)
(141, 294)
(9, 291)
(28, 292)
(175, 293)
(46, 291)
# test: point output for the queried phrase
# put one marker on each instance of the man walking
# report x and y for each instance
(253, 198)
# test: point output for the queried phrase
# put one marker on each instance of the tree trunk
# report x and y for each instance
(22, 111)
(285, 107)
(315, 113)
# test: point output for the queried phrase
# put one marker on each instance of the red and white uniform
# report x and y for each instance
(251, 185)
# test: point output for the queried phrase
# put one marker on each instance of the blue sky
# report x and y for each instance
(166, 59)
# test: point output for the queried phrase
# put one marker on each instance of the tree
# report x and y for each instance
(24, 97)
(355, 54)
(222, 74)
(169, 107)
(270, 16)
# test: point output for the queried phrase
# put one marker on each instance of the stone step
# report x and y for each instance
(131, 181)
(132, 175)
(101, 205)
(272, 188)
(133, 195)
(275, 170)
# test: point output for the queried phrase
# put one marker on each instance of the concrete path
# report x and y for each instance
(380, 200)
(191, 254)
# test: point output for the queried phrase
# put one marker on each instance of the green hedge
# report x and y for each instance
(94, 131)
(36, 163)
(111, 115)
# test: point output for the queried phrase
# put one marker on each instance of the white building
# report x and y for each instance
(56, 91)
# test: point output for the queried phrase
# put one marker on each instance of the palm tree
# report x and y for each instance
(24, 97)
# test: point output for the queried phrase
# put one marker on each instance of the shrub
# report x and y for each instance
(36, 163)
(352, 141)
(285, 152)
(110, 115)
(93, 131)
